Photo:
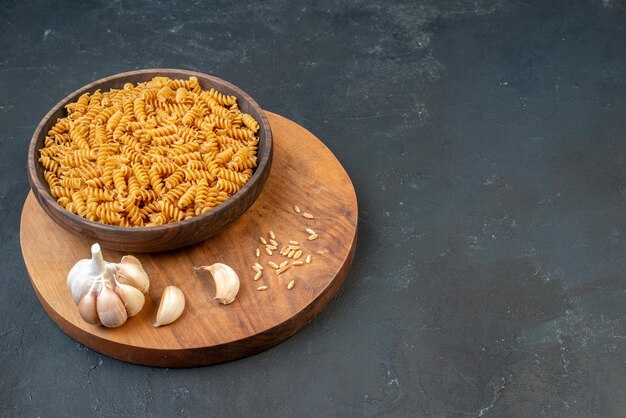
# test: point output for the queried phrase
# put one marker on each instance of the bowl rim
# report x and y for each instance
(262, 160)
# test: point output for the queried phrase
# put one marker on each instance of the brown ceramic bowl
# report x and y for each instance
(153, 238)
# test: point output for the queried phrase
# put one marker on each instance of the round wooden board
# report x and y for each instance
(304, 173)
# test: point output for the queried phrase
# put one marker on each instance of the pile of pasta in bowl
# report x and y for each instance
(149, 154)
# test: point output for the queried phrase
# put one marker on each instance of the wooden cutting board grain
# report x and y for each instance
(304, 173)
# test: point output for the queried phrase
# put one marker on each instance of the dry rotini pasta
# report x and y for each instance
(149, 154)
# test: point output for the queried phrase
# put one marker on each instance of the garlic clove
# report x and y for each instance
(130, 259)
(132, 298)
(171, 306)
(131, 272)
(80, 286)
(87, 308)
(80, 266)
(111, 310)
(226, 281)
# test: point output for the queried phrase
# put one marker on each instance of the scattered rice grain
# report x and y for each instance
(258, 252)
(272, 264)
(283, 269)
(283, 264)
(257, 265)
(272, 235)
(307, 215)
(291, 253)
(312, 237)
(297, 263)
(291, 284)
(293, 242)
(258, 275)
(271, 247)
(261, 288)
(268, 251)
(296, 208)
(273, 243)
(297, 254)
(309, 231)
(308, 259)
(263, 241)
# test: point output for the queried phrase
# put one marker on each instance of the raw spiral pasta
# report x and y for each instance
(149, 154)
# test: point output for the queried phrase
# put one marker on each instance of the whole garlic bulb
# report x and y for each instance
(108, 293)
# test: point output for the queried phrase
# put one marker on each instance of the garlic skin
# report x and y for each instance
(108, 293)
(131, 272)
(131, 297)
(87, 307)
(226, 281)
(111, 310)
(171, 306)
(87, 271)
(73, 276)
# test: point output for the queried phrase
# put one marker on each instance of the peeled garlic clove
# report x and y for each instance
(171, 306)
(131, 272)
(226, 281)
(110, 307)
(87, 308)
(132, 298)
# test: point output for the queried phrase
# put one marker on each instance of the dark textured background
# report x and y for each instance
(486, 143)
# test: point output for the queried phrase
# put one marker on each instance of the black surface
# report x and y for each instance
(485, 140)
